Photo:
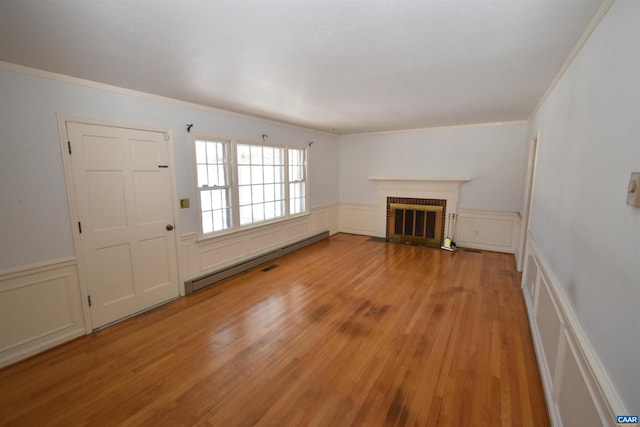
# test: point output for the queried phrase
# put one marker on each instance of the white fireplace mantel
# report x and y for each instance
(420, 188)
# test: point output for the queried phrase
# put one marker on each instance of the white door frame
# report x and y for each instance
(63, 119)
(528, 195)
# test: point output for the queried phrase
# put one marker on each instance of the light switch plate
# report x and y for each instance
(633, 191)
(184, 203)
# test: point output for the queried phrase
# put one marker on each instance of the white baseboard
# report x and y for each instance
(40, 307)
(577, 388)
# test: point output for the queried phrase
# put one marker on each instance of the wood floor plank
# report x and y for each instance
(349, 331)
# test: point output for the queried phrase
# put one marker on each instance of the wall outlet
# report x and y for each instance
(633, 191)
(184, 203)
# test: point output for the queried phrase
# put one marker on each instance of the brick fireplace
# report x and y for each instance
(436, 191)
(413, 220)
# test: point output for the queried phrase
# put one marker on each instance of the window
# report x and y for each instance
(212, 164)
(297, 181)
(261, 183)
(241, 184)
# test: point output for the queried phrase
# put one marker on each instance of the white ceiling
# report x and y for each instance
(339, 65)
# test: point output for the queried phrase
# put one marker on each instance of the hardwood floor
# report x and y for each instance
(348, 331)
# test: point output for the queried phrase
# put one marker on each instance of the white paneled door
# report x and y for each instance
(123, 195)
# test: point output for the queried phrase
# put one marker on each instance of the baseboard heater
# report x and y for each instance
(190, 286)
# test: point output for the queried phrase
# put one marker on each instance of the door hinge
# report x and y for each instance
(79, 227)
(69, 146)
(89, 299)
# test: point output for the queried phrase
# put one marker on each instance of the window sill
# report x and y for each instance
(202, 238)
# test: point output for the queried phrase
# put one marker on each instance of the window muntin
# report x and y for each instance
(241, 184)
(214, 190)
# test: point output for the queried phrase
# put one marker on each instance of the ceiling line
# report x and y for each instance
(469, 125)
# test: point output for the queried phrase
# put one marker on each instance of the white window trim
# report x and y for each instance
(233, 173)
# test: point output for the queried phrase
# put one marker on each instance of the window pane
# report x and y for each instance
(244, 154)
(205, 200)
(256, 194)
(244, 192)
(207, 222)
(269, 210)
(216, 199)
(267, 154)
(245, 215)
(278, 174)
(244, 175)
(226, 198)
(222, 175)
(227, 217)
(268, 174)
(221, 153)
(212, 175)
(258, 212)
(202, 176)
(211, 152)
(217, 220)
(296, 165)
(278, 156)
(279, 190)
(256, 155)
(280, 208)
(201, 152)
(297, 197)
(256, 174)
(269, 193)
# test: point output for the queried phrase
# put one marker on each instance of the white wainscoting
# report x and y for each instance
(358, 218)
(40, 307)
(488, 230)
(577, 389)
(200, 257)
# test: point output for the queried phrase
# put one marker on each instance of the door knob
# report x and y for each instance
(169, 227)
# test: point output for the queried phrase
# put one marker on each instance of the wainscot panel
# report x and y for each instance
(202, 256)
(358, 218)
(326, 219)
(297, 230)
(488, 230)
(40, 307)
(265, 241)
(577, 389)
